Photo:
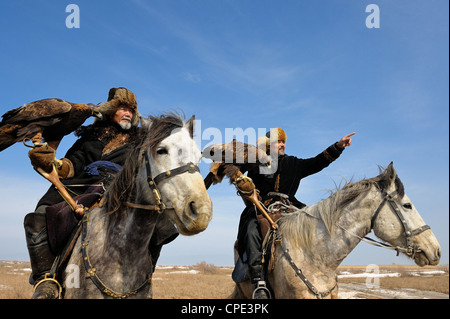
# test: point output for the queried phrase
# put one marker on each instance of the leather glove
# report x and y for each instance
(65, 168)
(42, 157)
(245, 184)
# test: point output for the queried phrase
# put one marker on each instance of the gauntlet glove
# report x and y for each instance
(44, 157)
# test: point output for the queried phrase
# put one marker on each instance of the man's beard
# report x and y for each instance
(125, 125)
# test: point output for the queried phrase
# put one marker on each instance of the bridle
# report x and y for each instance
(409, 250)
(154, 181)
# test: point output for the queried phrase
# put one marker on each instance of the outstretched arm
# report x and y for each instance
(315, 164)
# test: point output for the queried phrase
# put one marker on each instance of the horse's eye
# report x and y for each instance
(407, 206)
(162, 151)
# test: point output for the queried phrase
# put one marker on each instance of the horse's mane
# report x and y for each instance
(301, 225)
(149, 137)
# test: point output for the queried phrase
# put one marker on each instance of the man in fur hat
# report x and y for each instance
(102, 145)
(285, 180)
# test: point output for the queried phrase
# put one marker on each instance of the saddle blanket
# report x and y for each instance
(61, 220)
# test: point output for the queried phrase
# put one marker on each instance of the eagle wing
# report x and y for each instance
(52, 118)
(232, 159)
(46, 108)
(237, 153)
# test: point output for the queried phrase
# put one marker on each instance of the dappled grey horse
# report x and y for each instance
(311, 243)
(159, 183)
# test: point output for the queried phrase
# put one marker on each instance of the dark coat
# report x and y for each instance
(90, 148)
(291, 170)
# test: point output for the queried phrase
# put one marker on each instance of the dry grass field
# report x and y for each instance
(206, 281)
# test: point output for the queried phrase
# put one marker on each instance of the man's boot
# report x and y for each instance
(254, 260)
(41, 258)
(261, 291)
(257, 276)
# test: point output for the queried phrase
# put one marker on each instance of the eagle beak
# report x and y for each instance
(95, 112)
(98, 115)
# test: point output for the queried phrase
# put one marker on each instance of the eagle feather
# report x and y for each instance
(51, 118)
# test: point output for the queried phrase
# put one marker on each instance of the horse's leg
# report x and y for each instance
(335, 293)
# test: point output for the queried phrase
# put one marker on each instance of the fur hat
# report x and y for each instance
(263, 142)
(118, 97)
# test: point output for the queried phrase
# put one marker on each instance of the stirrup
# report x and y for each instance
(261, 285)
(52, 279)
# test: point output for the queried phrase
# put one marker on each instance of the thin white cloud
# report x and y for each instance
(192, 77)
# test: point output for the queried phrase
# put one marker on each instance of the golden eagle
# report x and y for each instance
(47, 119)
(231, 160)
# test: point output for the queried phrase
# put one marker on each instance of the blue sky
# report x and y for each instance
(310, 67)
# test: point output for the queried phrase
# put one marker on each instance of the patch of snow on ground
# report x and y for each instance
(346, 274)
(172, 267)
(428, 272)
(190, 272)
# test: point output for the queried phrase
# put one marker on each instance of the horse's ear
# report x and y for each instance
(190, 125)
(390, 174)
(146, 123)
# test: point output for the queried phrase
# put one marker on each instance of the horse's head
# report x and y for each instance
(173, 164)
(398, 222)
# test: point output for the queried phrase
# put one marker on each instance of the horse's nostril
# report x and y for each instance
(193, 209)
(438, 253)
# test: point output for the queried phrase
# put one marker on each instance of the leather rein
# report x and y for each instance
(160, 207)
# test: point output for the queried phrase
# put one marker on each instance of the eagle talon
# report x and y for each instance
(34, 144)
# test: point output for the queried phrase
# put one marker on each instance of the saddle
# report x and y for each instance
(61, 220)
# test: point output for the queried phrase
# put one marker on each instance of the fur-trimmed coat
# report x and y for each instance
(103, 141)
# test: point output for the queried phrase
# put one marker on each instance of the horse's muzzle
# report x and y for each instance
(425, 258)
(194, 218)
